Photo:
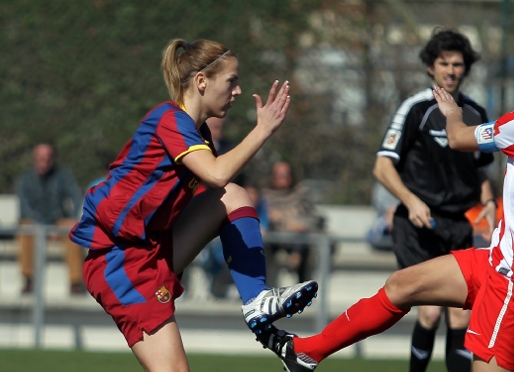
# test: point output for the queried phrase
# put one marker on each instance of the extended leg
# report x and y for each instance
(231, 216)
(434, 282)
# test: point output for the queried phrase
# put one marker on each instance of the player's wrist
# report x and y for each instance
(489, 201)
(484, 135)
(454, 113)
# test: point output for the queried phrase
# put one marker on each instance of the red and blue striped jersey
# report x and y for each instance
(147, 185)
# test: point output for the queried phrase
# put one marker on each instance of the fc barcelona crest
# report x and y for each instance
(163, 295)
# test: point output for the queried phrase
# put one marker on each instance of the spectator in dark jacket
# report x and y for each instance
(49, 195)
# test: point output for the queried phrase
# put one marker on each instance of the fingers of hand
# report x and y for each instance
(283, 93)
(282, 100)
(416, 221)
(486, 236)
(272, 92)
(480, 216)
(258, 101)
(283, 96)
(421, 221)
(285, 107)
(441, 93)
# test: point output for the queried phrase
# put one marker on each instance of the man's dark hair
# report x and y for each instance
(448, 40)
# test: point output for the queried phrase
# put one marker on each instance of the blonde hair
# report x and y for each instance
(179, 67)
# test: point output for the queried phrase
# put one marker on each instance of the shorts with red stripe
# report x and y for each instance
(492, 318)
(135, 285)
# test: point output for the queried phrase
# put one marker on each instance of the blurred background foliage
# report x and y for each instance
(82, 75)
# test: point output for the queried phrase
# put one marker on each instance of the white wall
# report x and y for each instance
(9, 209)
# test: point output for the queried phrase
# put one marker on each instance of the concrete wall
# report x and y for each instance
(9, 209)
(348, 221)
(341, 220)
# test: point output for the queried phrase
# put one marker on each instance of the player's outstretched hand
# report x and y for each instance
(272, 114)
(447, 104)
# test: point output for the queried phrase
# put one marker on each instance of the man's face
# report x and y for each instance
(282, 177)
(43, 159)
(448, 71)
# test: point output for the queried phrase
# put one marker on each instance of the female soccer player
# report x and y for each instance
(167, 195)
(476, 279)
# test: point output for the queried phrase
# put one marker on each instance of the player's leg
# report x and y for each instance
(434, 282)
(162, 350)
(140, 301)
(490, 330)
(25, 245)
(229, 214)
(74, 255)
(412, 246)
(480, 365)
(423, 337)
(458, 358)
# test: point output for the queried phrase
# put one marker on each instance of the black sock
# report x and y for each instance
(422, 347)
(458, 358)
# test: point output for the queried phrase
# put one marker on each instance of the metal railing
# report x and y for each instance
(320, 242)
(41, 234)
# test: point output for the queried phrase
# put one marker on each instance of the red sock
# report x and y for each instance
(369, 316)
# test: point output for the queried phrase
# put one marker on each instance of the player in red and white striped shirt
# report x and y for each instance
(477, 279)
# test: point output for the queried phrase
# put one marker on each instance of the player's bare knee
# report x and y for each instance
(397, 289)
(235, 197)
(429, 316)
(458, 318)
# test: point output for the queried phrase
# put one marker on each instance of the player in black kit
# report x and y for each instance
(436, 186)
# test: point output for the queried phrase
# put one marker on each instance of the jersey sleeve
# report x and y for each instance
(504, 134)
(401, 132)
(178, 134)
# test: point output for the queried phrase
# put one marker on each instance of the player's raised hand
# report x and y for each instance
(445, 101)
(272, 114)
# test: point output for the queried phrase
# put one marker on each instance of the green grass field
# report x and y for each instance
(26, 360)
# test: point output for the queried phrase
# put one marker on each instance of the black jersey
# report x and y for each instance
(446, 180)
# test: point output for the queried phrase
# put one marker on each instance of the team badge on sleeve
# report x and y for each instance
(163, 295)
(484, 135)
(391, 139)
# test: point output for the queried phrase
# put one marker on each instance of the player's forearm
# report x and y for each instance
(385, 172)
(227, 166)
(460, 136)
(486, 194)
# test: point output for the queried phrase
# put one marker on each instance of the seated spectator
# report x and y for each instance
(385, 203)
(45, 193)
(291, 209)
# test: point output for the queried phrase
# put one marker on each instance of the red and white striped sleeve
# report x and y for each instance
(504, 133)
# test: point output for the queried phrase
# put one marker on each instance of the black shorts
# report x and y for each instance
(412, 245)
